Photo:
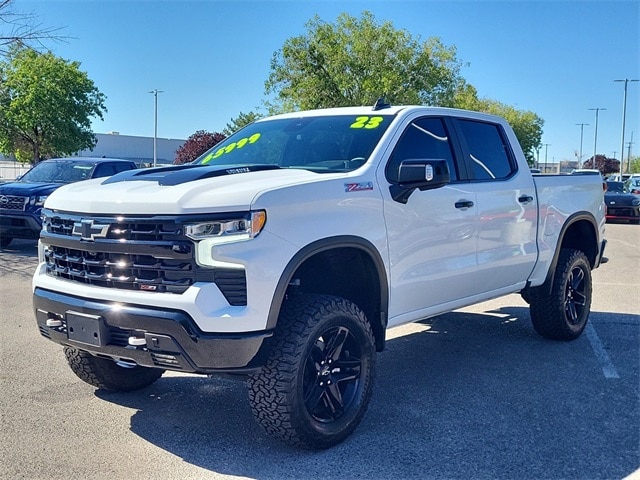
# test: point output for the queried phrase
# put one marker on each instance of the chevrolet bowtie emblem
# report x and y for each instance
(89, 231)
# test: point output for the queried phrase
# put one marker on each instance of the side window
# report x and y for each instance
(104, 170)
(489, 157)
(121, 167)
(424, 138)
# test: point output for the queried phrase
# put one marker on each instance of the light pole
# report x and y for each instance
(595, 136)
(628, 155)
(624, 115)
(581, 136)
(155, 124)
(546, 148)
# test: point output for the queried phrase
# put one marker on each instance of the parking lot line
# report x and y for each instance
(607, 366)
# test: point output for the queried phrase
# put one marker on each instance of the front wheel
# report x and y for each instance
(109, 375)
(561, 313)
(317, 383)
(5, 241)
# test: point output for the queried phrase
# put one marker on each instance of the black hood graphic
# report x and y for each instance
(179, 174)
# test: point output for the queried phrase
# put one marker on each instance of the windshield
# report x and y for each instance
(616, 187)
(62, 171)
(338, 143)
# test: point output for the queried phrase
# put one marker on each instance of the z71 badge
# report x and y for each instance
(358, 187)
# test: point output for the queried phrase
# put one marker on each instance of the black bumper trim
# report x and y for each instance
(172, 339)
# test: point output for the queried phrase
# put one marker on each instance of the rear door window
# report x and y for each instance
(487, 152)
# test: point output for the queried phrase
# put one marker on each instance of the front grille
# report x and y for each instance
(13, 202)
(121, 270)
(622, 211)
(166, 360)
(143, 253)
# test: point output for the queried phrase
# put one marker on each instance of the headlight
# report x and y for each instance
(635, 202)
(232, 229)
(38, 201)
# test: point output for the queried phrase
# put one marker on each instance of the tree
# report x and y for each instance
(196, 145)
(240, 121)
(46, 105)
(606, 165)
(356, 61)
(635, 165)
(22, 29)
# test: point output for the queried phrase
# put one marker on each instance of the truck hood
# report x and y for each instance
(175, 190)
(25, 189)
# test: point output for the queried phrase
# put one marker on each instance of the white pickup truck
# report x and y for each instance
(286, 251)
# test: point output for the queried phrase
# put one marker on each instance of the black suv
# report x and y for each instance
(21, 201)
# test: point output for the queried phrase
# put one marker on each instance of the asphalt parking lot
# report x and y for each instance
(472, 394)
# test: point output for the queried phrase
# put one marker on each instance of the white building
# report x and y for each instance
(138, 149)
(114, 145)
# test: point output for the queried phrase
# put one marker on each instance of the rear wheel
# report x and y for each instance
(561, 312)
(109, 375)
(317, 383)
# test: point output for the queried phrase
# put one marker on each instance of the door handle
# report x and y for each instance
(525, 199)
(463, 204)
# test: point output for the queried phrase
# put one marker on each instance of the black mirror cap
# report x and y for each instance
(422, 174)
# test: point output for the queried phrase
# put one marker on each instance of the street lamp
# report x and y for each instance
(155, 124)
(595, 136)
(581, 136)
(624, 115)
(546, 148)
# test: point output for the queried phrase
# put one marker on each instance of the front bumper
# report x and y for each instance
(157, 338)
(19, 226)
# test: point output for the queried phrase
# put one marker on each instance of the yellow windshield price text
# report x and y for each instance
(367, 122)
(231, 147)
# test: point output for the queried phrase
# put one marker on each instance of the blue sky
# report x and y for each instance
(211, 58)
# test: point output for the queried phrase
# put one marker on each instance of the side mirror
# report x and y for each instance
(421, 174)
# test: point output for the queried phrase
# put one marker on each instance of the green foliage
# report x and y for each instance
(355, 61)
(46, 104)
(242, 120)
(635, 165)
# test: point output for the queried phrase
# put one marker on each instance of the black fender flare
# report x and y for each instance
(572, 219)
(318, 246)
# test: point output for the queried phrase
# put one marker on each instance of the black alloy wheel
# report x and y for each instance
(575, 295)
(332, 374)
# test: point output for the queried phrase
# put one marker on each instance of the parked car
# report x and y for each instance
(616, 177)
(633, 184)
(621, 204)
(21, 201)
(585, 171)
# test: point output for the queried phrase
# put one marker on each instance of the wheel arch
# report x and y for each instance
(346, 266)
(580, 232)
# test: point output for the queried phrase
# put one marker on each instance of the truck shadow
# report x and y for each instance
(20, 257)
(463, 395)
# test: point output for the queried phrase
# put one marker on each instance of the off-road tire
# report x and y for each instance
(317, 382)
(107, 374)
(561, 312)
